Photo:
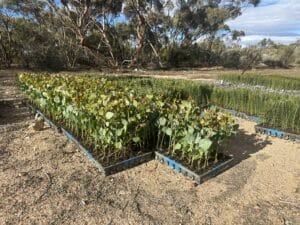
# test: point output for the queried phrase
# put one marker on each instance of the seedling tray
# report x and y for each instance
(108, 170)
(242, 115)
(198, 178)
(112, 169)
(277, 133)
(263, 130)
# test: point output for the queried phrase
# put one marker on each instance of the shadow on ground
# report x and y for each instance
(12, 113)
(244, 145)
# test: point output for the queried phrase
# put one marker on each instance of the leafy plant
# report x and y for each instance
(264, 105)
(116, 120)
(194, 138)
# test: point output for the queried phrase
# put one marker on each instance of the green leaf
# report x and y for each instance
(69, 108)
(124, 122)
(119, 132)
(177, 146)
(135, 103)
(191, 129)
(56, 99)
(149, 96)
(136, 139)
(118, 145)
(205, 144)
(43, 102)
(45, 94)
(169, 131)
(189, 138)
(198, 139)
(196, 156)
(109, 115)
(162, 121)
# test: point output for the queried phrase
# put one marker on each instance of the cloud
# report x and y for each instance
(275, 19)
(254, 39)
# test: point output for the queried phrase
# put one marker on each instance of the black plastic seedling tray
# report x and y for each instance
(198, 178)
(118, 167)
(108, 170)
(276, 133)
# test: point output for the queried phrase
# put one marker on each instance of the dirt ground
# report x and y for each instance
(45, 180)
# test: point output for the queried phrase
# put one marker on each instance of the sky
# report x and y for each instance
(275, 19)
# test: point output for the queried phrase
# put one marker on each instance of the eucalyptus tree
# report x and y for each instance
(86, 17)
(108, 32)
(149, 18)
(6, 39)
(193, 19)
(297, 53)
(35, 33)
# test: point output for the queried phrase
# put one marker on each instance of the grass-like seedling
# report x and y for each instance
(270, 81)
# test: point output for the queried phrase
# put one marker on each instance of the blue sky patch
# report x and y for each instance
(275, 19)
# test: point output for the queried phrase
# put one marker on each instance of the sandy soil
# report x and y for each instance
(45, 180)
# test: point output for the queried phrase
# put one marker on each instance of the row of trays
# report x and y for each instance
(259, 129)
(160, 156)
(140, 159)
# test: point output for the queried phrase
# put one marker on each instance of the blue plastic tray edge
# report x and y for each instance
(277, 133)
(198, 178)
(112, 169)
(109, 170)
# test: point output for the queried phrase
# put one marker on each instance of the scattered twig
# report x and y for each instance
(154, 168)
(134, 198)
(47, 189)
(29, 171)
(290, 203)
(33, 170)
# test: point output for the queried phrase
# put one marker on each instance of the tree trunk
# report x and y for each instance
(156, 54)
(140, 32)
